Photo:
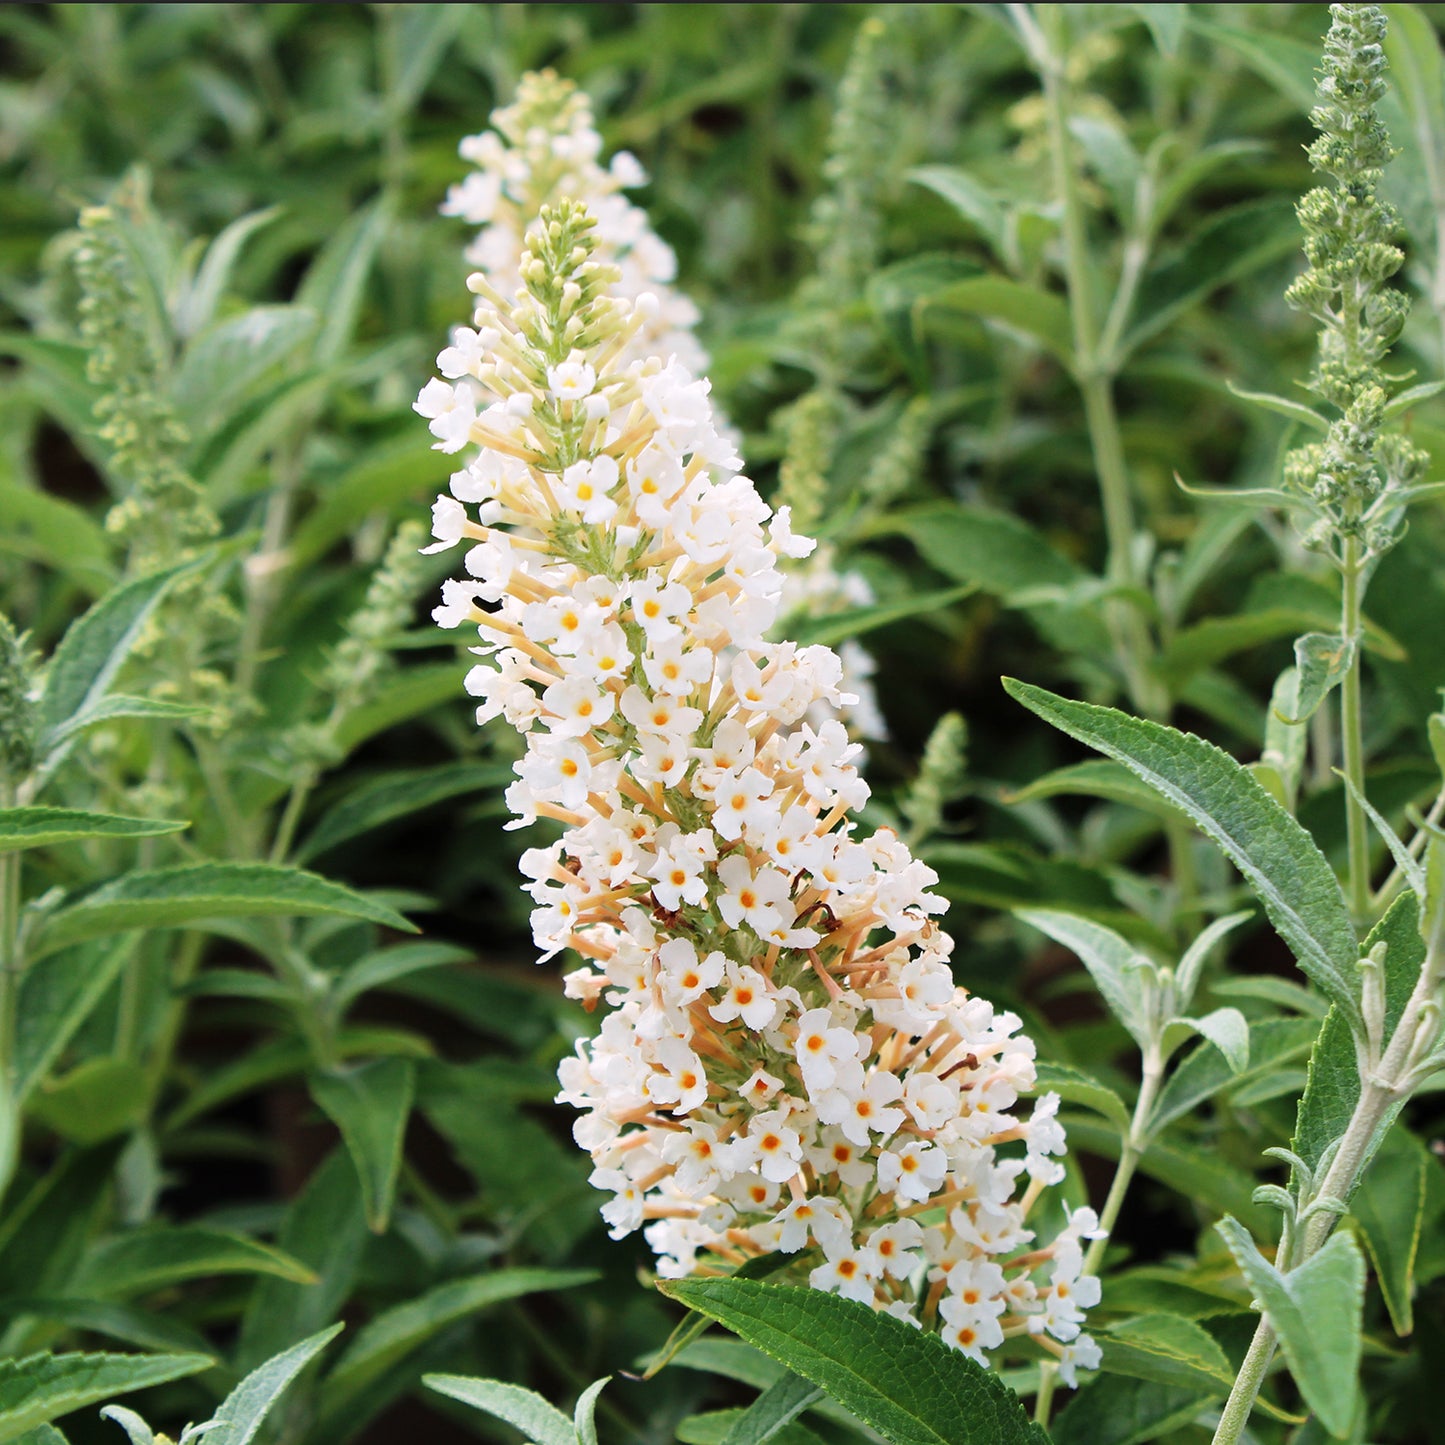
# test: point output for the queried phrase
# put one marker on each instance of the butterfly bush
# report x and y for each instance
(785, 1063)
(544, 147)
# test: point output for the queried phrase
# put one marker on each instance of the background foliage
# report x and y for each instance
(253, 1103)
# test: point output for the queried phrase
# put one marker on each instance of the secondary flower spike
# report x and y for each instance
(784, 1062)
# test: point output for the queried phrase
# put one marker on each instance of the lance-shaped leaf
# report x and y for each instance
(396, 1332)
(1316, 1310)
(1168, 1349)
(117, 705)
(22, 828)
(1126, 978)
(1191, 965)
(1389, 1207)
(169, 897)
(370, 1103)
(1225, 1028)
(149, 1259)
(773, 1411)
(94, 647)
(909, 1386)
(1074, 1086)
(584, 1417)
(41, 1387)
(540, 1422)
(243, 1410)
(1321, 661)
(1278, 857)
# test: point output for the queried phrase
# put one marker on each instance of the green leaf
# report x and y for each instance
(96, 1100)
(1019, 307)
(1186, 975)
(335, 284)
(117, 705)
(1074, 1086)
(416, 690)
(541, 1423)
(44, 827)
(129, 1324)
(1227, 1030)
(377, 970)
(995, 551)
(394, 795)
(147, 1260)
(1333, 1090)
(134, 1425)
(41, 1387)
(1117, 1410)
(712, 1429)
(1125, 977)
(405, 1328)
(1288, 65)
(405, 470)
(1389, 1207)
(1278, 858)
(1273, 1043)
(1169, 1350)
(226, 359)
(370, 1103)
(835, 627)
(170, 897)
(1321, 661)
(1285, 745)
(584, 1415)
(1316, 1310)
(243, 1410)
(96, 644)
(197, 304)
(1166, 23)
(1096, 779)
(56, 533)
(909, 1386)
(975, 203)
(325, 1230)
(773, 1411)
(1229, 245)
(1296, 411)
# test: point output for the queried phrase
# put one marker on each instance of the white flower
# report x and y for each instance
(571, 380)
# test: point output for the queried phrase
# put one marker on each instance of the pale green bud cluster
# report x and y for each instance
(845, 218)
(17, 705)
(129, 360)
(940, 777)
(810, 428)
(1347, 481)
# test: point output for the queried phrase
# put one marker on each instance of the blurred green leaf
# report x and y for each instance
(370, 1103)
(147, 1260)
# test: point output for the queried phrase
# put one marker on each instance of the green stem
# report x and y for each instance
(12, 964)
(1246, 1386)
(1134, 1145)
(1044, 1400)
(1351, 726)
(291, 817)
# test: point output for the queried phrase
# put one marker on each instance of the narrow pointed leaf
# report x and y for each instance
(584, 1417)
(1322, 660)
(775, 1409)
(94, 647)
(396, 1332)
(243, 1410)
(387, 965)
(1389, 1207)
(1124, 975)
(41, 1387)
(118, 705)
(370, 1103)
(169, 897)
(45, 827)
(907, 1385)
(1016, 305)
(1279, 859)
(541, 1423)
(1168, 1349)
(1074, 1086)
(1316, 1311)
(1186, 976)
(146, 1260)
(134, 1426)
(1227, 1030)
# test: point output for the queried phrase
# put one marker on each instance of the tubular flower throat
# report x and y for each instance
(785, 1063)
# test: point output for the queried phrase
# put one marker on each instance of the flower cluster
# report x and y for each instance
(542, 148)
(785, 1063)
